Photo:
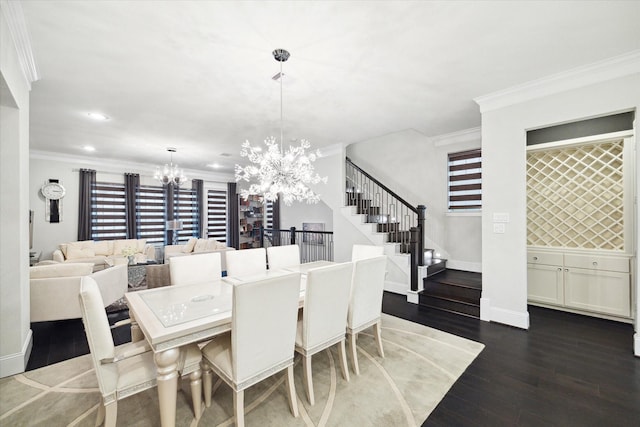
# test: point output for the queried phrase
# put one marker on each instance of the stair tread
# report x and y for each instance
(426, 306)
(459, 278)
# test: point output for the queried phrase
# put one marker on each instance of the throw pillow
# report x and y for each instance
(84, 249)
(104, 247)
(211, 245)
(190, 245)
(201, 245)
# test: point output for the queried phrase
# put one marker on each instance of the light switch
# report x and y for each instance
(500, 217)
(499, 228)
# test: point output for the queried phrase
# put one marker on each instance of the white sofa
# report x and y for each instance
(198, 246)
(104, 252)
(55, 288)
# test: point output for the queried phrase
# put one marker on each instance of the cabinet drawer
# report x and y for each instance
(604, 263)
(548, 258)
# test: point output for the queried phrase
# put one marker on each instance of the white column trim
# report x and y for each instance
(13, 14)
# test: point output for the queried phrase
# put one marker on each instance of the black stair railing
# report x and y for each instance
(391, 213)
(314, 245)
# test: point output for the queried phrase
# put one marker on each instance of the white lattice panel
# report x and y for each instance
(575, 197)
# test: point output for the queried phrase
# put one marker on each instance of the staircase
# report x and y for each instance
(454, 291)
(382, 230)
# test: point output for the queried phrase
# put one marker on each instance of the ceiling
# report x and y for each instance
(196, 75)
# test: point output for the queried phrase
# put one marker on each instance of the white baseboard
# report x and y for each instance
(475, 267)
(636, 344)
(412, 297)
(501, 315)
(16, 363)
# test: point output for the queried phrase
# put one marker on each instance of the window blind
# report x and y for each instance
(465, 180)
(217, 215)
(108, 218)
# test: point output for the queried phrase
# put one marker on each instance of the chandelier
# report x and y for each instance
(279, 171)
(170, 174)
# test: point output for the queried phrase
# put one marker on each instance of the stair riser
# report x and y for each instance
(433, 288)
(436, 268)
(453, 306)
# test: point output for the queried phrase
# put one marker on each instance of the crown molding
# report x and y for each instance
(120, 166)
(13, 14)
(332, 150)
(466, 135)
(608, 69)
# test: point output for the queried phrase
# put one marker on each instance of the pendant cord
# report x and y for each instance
(281, 120)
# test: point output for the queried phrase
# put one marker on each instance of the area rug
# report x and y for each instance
(401, 389)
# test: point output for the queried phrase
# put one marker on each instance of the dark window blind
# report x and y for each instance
(185, 209)
(108, 220)
(217, 215)
(150, 214)
(465, 180)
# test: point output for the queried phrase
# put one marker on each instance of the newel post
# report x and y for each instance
(414, 250)
(293, 235)
(422, 213)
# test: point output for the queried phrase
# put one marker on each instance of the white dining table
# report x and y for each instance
(173, 316)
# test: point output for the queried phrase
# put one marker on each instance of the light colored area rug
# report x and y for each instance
(402, 389)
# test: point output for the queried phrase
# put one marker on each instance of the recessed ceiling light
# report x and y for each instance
(98, 116)
(89, 148)
(213, 165)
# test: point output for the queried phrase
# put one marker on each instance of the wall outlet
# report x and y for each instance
(499, 228)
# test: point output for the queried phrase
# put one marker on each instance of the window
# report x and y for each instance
(465, 181)
(108, 220)
(150, 216)
(185, 209)
(268, 215)
(217, 215)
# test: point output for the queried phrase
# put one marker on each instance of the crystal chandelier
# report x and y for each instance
(279, 171)
(170, 174)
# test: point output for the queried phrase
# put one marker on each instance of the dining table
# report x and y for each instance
(174, 316)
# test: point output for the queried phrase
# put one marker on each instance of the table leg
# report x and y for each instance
(136, 333)
(167, 364)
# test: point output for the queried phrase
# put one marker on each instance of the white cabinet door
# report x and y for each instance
(600, 291)
(545, 284)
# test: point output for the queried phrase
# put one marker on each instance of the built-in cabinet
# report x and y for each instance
(580, 281)
(251, 213)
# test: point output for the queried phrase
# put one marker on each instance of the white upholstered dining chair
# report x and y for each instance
(194, 269)
(359, 252)
(246, 262)
(365, 305)
(261, 341)
(322, 321)
(279, 257)
(129, 368)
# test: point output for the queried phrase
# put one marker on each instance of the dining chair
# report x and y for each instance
(279, 257)
(246, 262)
(261, 341)
(128, 368)
(321, 323)
(365, 305)
(194, 269)
(359, 252)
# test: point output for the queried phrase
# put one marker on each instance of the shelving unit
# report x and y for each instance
(251, 213)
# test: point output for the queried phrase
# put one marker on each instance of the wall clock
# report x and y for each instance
(53, 193)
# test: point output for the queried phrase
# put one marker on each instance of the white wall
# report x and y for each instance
(504, 295)
(47, 236)
(15, 332)
(415, 167)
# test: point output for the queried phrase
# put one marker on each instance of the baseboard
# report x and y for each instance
(16, 363)
(413, 297)
(501, 315)
(636, 344)
(475, 267)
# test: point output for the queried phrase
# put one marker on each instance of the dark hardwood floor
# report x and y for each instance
(566, 370)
